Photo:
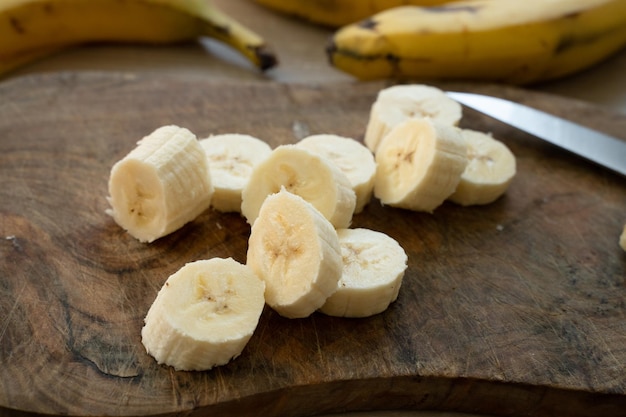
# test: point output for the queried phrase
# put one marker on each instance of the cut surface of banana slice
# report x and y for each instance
(231, 160)
(488, 174)
(160, 185)
(204, 315)
(622, 238)
(295, 250)
(398, 103)
(301, 172)
(420, 163)
(373, 268)
(352, 157)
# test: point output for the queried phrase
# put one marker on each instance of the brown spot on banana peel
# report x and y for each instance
(369, 24)
(570, 42)
(393, 61)
(17, 26)
(567, 42)
(332, 51)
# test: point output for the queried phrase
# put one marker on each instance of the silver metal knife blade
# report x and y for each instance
(588, 143)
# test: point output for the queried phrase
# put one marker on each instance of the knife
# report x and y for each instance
(588, 143)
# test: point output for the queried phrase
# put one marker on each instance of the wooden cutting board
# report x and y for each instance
(515, 308)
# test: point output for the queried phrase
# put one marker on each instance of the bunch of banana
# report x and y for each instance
(489, 40)
(336, 13)
(30, 29)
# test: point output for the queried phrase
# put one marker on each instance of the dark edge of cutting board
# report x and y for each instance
(515, 308)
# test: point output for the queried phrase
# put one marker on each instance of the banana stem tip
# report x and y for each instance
(266, 57)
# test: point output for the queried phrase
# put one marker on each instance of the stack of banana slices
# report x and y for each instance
(423, 158)
(299, 199)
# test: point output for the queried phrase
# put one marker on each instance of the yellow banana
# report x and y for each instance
(487, 40)
(336, 13)
(29, 26)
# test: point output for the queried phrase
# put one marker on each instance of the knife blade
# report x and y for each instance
(596, 146)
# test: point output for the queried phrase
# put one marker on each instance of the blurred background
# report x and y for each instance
(301, 50)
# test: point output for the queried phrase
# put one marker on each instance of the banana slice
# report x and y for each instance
(373, 267)
(160, 185)
(488, 174)
(622, 238)
(231, 160)
(204, 315)
(295, 250)
(420, 163)
(395, 104)
(351, 157)
(306, 174)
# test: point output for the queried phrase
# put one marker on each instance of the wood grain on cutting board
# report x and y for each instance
(513, 308)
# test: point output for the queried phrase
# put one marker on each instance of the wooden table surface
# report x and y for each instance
(517, 306)
(564, 294)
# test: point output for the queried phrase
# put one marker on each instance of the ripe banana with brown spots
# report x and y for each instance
(482, 40)
(29, 28)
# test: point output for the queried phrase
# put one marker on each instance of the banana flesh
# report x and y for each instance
(295, 250)
(160, 185)
(299, 199)
(398, 103)
(414, 170)
(338, 12)
(204, 315)
(302, 172)
(351, 157)
(373, 268)
(622, 239)
(504, 41)
(420, 163)
(488, 174)
(34, 25)
(231, 158)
